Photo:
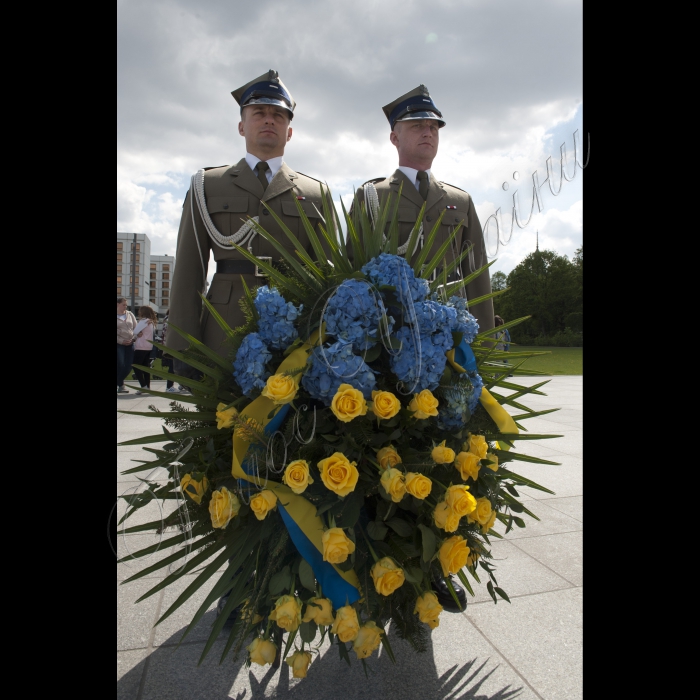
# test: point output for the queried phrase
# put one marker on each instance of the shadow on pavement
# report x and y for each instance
(171, 673)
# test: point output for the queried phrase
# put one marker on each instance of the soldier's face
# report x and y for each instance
(266, 130)
(416, 141)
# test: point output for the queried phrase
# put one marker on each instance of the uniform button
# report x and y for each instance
(225, 206)
(457, 219)
(266, 212)
(428, 218)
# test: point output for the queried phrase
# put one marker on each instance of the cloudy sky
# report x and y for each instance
(507, 76)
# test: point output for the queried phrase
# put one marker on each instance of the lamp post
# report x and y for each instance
(133, 275)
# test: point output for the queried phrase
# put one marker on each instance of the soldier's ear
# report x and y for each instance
(289, 133)
(394, 138)
(241, 130)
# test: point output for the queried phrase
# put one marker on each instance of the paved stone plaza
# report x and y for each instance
(529, 649)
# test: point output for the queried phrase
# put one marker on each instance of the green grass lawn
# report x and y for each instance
(561, 360)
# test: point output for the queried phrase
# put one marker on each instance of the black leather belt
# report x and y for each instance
(241, 267)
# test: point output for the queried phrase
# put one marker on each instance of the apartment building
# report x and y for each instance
(161, 268)
(138, 245)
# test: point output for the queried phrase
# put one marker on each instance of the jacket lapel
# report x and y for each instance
(409, 190)
(244, 177)
(436, 192)
(281, 182)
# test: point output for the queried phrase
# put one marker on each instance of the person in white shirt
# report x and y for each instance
(126, 322)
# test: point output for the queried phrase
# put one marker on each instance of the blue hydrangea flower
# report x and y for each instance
(277, 316)
(432, 316)
(353, 315)
(340, 366)
(426, 373)
(392, 270)
(464, 322)
(454, 402)
(249, 365)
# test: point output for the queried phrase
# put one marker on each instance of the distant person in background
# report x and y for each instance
(126, 322)
(166, 360)
(503, 338)
(143, 346)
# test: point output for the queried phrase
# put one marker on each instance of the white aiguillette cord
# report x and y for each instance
(372, 207)
(245, 234)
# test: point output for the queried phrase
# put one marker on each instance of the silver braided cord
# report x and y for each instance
(372, 207)
(245, 233)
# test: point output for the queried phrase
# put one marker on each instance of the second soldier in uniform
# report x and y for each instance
(415, 124)
(415, 132)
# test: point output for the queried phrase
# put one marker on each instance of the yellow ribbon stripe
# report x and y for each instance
(500, 416)
(301, 511)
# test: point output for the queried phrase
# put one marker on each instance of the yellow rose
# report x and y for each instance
(262, 651)
(460, 500)
(388, 457)
(193, 488)
(225, 416)
(339, 474)
(468, 465)
(297, 476)
(337, 546)
(387, 576)
(492, 521)
(299, 662)
(454, 554)
(478, 445)
(348, 403)
(483, 512)
(280, 389)
(393, 483)
(424, 405)
(287, 613)
(346, 624)
(263, 503)
(445, 518)
(320, 611)
(493, 461)
(384, 405)
(223, 507)
(442, 454)
(418, 485)
(368, 639)
(429, 609)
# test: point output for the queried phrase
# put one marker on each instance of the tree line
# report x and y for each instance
(549, 288)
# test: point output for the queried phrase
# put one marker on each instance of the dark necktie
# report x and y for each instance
(422, 177)
(262, 167)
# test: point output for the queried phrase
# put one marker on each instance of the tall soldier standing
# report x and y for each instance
(415, 131)
(216, 210)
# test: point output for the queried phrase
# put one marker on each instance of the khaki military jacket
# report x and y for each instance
(233, 193)
(440, 196)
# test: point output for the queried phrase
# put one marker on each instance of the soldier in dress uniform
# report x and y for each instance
(217, 208)
(415, 131)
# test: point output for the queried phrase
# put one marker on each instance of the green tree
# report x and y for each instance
(499, 281)
(544, 285)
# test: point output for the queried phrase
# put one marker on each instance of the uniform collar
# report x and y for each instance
(412, 175)
(274, 163)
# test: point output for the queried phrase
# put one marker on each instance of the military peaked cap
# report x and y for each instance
(416, 104)
(266, 89)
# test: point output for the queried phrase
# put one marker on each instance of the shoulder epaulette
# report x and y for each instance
(375, 180)
(215, 167)
(456, 188)
(310, 178)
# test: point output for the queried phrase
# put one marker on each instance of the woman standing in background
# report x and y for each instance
(126, 322)
(143, 345)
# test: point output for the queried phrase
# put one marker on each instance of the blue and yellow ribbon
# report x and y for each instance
(299, 515)
(462, 360)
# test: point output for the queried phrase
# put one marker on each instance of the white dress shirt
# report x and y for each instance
(274, 163)
(412, 175)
